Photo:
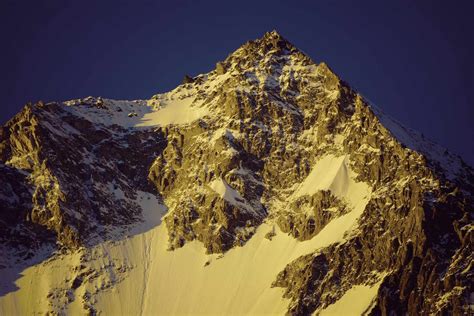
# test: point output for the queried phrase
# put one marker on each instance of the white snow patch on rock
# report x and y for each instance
(178, 111)
(334, 174)
(173, 108)
(225, 191)
(358, 300)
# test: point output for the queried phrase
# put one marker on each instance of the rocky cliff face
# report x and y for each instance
(71, 172)
(269, 136)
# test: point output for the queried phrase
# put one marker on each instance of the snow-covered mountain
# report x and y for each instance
(266, 186)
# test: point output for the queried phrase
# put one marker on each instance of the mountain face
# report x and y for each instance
(266, 186)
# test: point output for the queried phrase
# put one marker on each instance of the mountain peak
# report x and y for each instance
(274, 41)
(273, 34)
(267, 163)
(270, 43)
(270, 49)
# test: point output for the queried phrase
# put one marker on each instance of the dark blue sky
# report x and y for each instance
(414, 59)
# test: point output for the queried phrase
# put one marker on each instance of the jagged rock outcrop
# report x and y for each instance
(269, 136)
(308, 215)
(75, 172)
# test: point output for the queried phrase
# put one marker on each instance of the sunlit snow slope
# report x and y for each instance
(139, 276)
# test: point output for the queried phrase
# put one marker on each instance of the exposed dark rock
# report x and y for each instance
(188, 79)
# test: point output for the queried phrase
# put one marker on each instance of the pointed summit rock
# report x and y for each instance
(273, 40)
(271, 48)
